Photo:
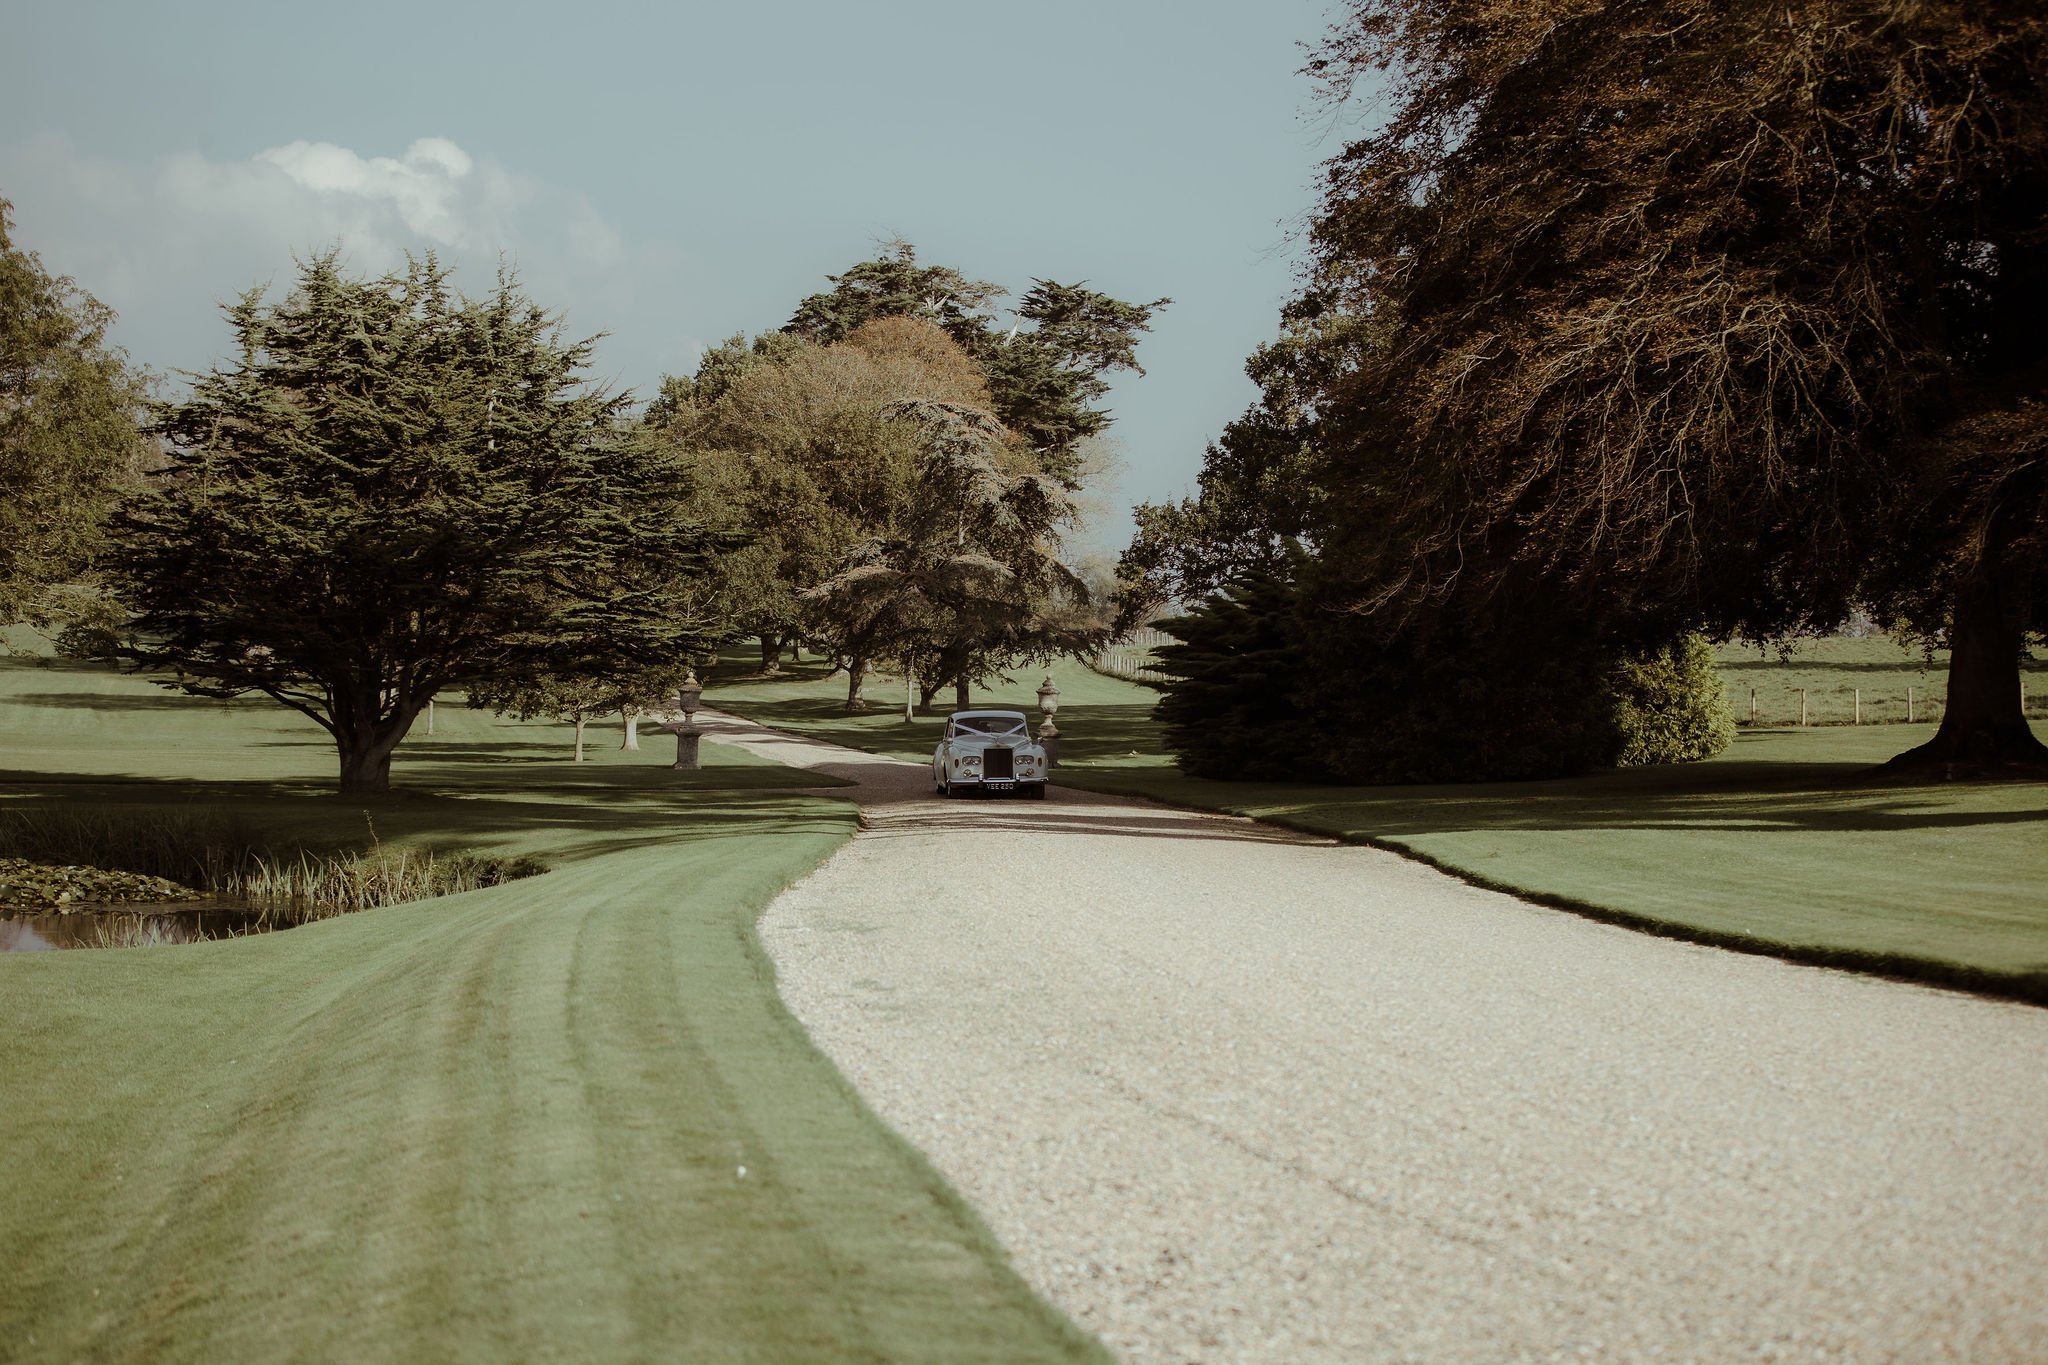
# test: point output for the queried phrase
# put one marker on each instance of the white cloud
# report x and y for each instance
(377, 207)
(423, 187)
(166, 241)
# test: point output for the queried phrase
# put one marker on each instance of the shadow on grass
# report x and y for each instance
(1939, 668)
(47, 663)
(568, 830)
(138, 701)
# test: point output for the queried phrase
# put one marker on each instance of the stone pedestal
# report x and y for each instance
(1049, 740)
(687, 737)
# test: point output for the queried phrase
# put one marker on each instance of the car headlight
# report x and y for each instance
(971, 761)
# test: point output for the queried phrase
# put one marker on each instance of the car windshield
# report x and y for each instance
(989, 725)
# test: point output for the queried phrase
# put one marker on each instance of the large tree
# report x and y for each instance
(1044, 372)
(1707, 312)
(394, 490)
(793, 446)
(69, 437)
(969, 582)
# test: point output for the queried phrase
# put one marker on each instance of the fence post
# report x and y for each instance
(1909, 706)
(1752, 706)
(1859, 707)
(1802, 706)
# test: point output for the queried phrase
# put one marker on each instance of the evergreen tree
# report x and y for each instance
(1268, 682)
(1237, 663)
(395, 490)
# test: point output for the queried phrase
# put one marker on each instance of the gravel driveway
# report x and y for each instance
(1231, 1094)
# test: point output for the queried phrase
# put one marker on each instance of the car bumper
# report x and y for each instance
(998, 784)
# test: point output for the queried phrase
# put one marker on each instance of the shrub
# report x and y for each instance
(1268, 685)
(1670, 706)
(309, 887)
(1463, 694)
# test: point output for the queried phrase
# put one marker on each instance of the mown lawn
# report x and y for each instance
(1789, 843)
(561, 1119)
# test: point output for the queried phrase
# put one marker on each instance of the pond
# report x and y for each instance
(135, 925)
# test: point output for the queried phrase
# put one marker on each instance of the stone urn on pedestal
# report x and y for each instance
(1048, 733)
(686, 732)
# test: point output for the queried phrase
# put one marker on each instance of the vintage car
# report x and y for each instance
(989, 751)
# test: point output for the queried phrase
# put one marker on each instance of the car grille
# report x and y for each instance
(996, 763)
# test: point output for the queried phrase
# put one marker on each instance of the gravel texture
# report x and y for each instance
(1229, 1094)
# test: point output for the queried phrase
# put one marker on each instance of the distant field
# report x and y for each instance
(1789, 843)
(1833, 670)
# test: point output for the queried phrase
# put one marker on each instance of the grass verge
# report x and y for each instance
(564, 1118)
(1788, 844)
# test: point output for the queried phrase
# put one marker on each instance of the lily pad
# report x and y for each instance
(41, 886)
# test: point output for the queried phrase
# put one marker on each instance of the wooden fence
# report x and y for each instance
(1795, 706)
(1130, 657)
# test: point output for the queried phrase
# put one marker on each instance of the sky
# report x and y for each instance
(670, 174)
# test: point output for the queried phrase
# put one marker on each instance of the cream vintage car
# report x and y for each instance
(990, 751)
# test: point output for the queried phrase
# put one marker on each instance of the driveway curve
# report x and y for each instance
(1227, 1093)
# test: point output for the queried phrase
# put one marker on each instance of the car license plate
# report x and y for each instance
(999, 784)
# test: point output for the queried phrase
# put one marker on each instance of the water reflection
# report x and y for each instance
(132, 926)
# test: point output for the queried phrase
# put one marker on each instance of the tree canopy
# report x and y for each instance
(793, 449)
(1261, 491)
(1665, 315)
(1045, 380)
(395, 490)
(1707, 313)
(970, 581)
(69, 438)
(886, 404)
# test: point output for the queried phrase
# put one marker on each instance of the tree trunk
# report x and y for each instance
(365, 752)
(771, 654)
(1983, 727)
(365, 739)
(960, 701)
(856, 678)
(631, 715)
(580, 721)
(926, 691)
(366, 769)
